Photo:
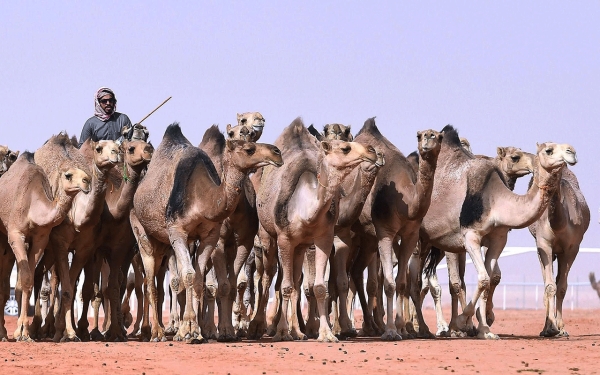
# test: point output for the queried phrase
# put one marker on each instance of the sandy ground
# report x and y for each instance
(520, 350)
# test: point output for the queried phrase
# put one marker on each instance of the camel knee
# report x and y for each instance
(175, 283)
(550, 290)
(389, 288)
(371, 287)
(495, 279)
(286, 292)
(320, 291)
(342, 283)
(242, 285)
(224, 288)
(455, 289)
(484, 283)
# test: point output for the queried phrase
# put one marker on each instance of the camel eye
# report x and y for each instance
(244, 121)
(69, 176)
(346, 149)
(548, 151)
(86, 181)
(230, 134)
(131, 150)
(250, 150)
(515, 159)
(99, 149)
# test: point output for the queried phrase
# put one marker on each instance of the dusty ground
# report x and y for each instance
(519, 351)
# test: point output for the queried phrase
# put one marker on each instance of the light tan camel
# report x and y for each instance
(398, 201)
(512, 163)
(116, 238)
(355, 189)
(486, 213)
(29, 209)
(78, 232)
(558, 234)
(297, 207)
(181, 200)
(7, 158)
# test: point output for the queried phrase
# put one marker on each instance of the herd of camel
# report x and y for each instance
(316, 209)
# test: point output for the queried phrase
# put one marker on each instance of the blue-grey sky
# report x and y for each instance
(505, 73)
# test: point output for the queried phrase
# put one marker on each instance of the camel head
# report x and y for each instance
(242, 133)
(464, 142)
(554, 156)
(332, 132)
(514, 162)
(135, 132)
(7, 158)
(430, 143)
(136, 152)
(74, 180)
(249, 155)
(253, 119)
(346, 155)
(106, 153)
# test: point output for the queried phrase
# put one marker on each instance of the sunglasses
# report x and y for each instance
(106, 101)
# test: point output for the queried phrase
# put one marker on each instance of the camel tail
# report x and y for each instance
(432, 260)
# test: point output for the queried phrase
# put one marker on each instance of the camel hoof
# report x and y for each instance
(227, 338)
(350, 333)
(455, 333)
(171, 330)
(282, 337)
(96, 335)
(327, 337)
(255, 330)
(563, 333)
(70, 339)
(197, 341)
(391, 335)
(488, 336)
(426, 335)
(24, 339)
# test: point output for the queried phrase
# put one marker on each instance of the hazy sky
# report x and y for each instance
(510, 73)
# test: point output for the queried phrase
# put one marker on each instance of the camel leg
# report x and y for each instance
(209, 329)
(115, 331)
(286, 262)
(49, 327)
(323, 250)
(224, 300)
(565, 261)
(389, 285)
(25, 268)
(238, 276)
(473, 247)
(364, 259)
(41, 292)
(7, 261)
(312, 320)
(455, 285)
(126, 305)
(485, 302)
(138, 272)
(161, 274)
(436, 294)
(104, 286)
(204, 253)
(343, 243)
(545, 257)
(273, 312)
(405, 250)
(87, 294)
(174, 288)
(267, 262)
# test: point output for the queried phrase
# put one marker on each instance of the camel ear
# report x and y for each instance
(228, 130)
(238, 118)
(419, 135)
(326, 146)
(501, 152)
(312, 130)
(230, 144)
(349, 134)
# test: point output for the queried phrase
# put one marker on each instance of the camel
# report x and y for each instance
(135, 132)
(182, 200)
(236, 237)
(252, 119)
(513, 163)
(595, 285)
(297, 207)
(7, 158)
(558, 234)
(79, 231)
(355, 189)
(116, 238)
(394, 209)
(29, 209)
(484, 214)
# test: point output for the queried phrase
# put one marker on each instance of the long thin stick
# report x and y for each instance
(155, 109)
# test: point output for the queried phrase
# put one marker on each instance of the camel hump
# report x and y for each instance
(451, 137)
(173, 136)
(369, 127)
(215, 136)
(297, 125)
(28, 156)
